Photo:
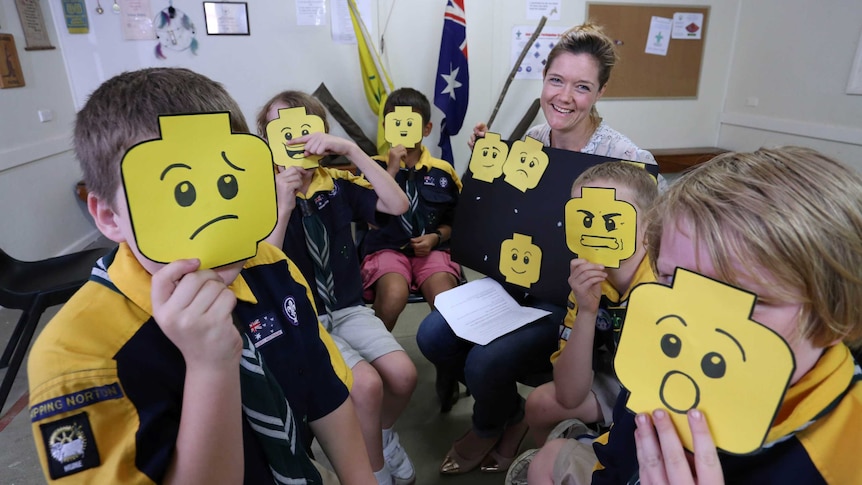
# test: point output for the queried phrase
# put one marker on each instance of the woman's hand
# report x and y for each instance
(662, 459)
(478, 132)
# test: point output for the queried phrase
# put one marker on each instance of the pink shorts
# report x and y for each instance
(414, 269)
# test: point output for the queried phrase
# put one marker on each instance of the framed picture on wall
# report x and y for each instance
(226, 18)
(11, 75)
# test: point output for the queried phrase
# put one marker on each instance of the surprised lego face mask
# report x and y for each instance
(600, 228)
(403, 126)
(293, 123)
(199, 191)
(489, 155)
(693, 345)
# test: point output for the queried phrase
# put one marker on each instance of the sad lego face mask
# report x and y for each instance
(693, 345)
(199, 191)
(403, 127)
(600, 228)
(525, 164)
(293, 123)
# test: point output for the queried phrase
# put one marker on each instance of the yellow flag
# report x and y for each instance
(375, 79)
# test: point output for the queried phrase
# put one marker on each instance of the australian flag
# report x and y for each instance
(453, 79)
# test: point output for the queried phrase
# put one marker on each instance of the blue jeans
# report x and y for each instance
(492, 371)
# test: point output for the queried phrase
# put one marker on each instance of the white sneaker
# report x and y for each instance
(398, 462)
(517, 474)
(573, 429)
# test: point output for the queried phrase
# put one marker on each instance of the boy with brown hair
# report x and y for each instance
(590, 330)
(150, 373)
(384, 376)
(411, 252)
(783, 224)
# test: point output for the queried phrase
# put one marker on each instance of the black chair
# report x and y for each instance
(33, 287)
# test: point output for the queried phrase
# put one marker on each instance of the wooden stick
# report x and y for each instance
(515, 68)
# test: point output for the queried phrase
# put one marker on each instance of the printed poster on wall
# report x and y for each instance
(33, 23)
(534, 62)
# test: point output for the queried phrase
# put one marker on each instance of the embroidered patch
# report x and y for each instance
(321, 201)
(429, 180)
(69, 445)
(565, 332)
(74, 400)
(289, 307)
(265, 328)
(444, 182)
(604, 321)
(570, 304)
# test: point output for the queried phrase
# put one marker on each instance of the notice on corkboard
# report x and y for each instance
(653, 64)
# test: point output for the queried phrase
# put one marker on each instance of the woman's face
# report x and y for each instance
(569, 91)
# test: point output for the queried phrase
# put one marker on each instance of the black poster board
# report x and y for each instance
(490, 213)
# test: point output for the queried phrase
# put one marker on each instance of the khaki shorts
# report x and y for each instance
(359, 334)
(575, 463)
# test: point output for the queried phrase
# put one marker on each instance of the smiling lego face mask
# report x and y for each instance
(520, 260)
(489, 155)
(693, 345)
(403, 127)
(293, 123)
(600, 228)
(199, 191)
(525, 164)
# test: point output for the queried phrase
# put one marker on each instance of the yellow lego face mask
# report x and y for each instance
(600, 228)
(489, 155)
(525, 164)
(403, 127)
(520, 260)
(199, 191)
(693, 345)
(293, 123)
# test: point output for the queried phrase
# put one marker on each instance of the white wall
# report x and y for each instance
(793, 59)
(37, 170)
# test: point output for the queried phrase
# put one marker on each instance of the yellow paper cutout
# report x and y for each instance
(694, 345)
(525, 164)
(600, 228)
(293, 123)
(403, 126)
(200, 191)
(520, 260)
(489, 155)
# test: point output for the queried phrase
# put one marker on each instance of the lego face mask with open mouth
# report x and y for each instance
(600, 228)
(199, 191)
(489, 155)
(291, 124)
(403, 126)
(694, 345)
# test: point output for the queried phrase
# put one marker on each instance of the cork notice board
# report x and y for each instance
(642, 75)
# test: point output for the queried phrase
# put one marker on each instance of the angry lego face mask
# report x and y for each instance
(693, 345)
(199, 191)
(600, 228)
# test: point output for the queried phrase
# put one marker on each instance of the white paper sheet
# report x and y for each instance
(659, 36)
(481, 310)
(310, 12)
(687, 25)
